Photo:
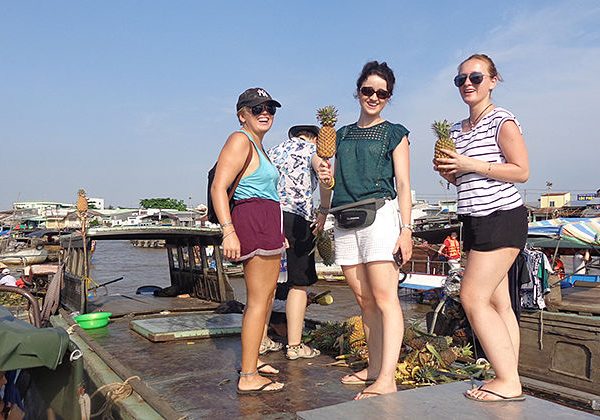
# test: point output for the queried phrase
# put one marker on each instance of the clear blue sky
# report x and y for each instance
(133, 99)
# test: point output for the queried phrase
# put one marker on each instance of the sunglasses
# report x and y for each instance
(369, 91)
(476, 78)
(259, 109)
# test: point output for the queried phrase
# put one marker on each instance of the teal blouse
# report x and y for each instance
(363, 164)
(262, 183)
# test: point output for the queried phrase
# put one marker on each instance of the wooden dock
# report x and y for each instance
(442, 401)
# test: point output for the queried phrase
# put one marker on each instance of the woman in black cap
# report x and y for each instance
(252, 232)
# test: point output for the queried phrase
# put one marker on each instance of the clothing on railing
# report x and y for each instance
(532, 292)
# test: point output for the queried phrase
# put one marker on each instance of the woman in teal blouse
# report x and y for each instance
(372, 161)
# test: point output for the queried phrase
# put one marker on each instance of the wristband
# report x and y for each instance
(407, 226)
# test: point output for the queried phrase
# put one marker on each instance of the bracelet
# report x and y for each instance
(332, 184)
(225, 236)
(407, 226)
(230, 223)
(323, 210)
(489, 168)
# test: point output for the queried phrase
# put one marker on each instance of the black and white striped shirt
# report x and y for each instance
(477, 194)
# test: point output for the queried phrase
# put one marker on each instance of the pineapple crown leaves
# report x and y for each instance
(441, 129)
(327, 116)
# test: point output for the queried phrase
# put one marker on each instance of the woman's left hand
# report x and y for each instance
(404, 244)
(456, 164)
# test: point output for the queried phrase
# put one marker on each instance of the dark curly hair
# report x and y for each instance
(378, 69)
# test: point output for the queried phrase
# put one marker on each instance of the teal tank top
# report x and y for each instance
(262, 183)
(363, 162)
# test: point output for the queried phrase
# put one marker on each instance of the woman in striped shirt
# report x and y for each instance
(490, 157)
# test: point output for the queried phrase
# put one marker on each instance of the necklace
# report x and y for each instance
(473, 123)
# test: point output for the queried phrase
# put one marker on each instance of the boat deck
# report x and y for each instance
(581, 299)
(198, 378)
(124, 304)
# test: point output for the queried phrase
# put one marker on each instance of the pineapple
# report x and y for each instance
(327, 117)
(442, 131)
(357, 332)
(82, 203)
(325, 247)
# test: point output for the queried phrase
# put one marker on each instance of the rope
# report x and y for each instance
(117, 391)
(541, 331)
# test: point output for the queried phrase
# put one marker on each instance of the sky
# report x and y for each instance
(134, 99)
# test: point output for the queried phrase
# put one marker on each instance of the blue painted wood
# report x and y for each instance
(442, 401)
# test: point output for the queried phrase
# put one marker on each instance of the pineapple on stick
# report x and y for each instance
(442, 131)
(327, 117)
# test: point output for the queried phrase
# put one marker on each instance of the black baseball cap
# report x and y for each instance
(255, 96)
(293, 132)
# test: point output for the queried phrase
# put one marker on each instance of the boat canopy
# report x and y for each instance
(24, 346)
(583, 231)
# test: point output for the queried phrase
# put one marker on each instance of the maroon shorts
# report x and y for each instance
(258, 226)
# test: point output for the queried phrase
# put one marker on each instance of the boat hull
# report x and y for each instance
(24, 257)
(561, 348)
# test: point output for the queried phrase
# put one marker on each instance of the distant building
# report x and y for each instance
(41, 206)
(554, 199)
(96, 203)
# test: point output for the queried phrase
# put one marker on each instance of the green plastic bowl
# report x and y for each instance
(93, 320)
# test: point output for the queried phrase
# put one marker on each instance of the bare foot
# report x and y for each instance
(254, 382)
(506, 389)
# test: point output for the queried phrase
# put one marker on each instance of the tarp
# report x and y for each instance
(582, 230)
(23, 346)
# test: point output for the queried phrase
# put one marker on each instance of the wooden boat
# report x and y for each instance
(163, 370)
(24, 257)
(560, 346)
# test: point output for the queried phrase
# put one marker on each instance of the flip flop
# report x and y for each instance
(260, 390)
(370, 394)
(502, 397)
(265, 373)
(357, 381)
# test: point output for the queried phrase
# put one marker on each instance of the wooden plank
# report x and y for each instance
(187, 326)
(441, 401)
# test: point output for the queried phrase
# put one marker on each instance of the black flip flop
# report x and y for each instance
(260, 390)
(263, 373)
(502, 397)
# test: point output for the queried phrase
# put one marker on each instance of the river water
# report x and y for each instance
(150, 266)
(137, 266)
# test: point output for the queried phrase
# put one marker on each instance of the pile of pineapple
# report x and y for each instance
(442, 132)
(425, 360)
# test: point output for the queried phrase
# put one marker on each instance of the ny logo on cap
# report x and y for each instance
(261, 92)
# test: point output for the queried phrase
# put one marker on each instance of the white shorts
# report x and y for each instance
(371, 243)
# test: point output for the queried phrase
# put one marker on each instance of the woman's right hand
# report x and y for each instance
(231, 246)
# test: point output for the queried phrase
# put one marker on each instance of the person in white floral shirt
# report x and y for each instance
(297, 162)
